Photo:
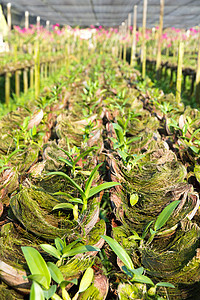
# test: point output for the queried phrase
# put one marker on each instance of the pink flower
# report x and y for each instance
(169, 45)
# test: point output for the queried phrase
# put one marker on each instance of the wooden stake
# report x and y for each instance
(158, 60)
(26, 19)
(37, 69)
(9, 16)
(31, 77)
(7, 88)
(179, 72)
(129, 23)
(47, 25)
(197, 91)
(17, 83)
(143, 55)
(133, 48)
(25, 80)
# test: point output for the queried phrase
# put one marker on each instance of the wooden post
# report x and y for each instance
(143, 55)
(46, 70)
(179, 72)
(67, 57)
(158, 60)
(32, 77)
(37, 69)
(38, 23)
(47, 25)
(129, 23)
(197, 91)
(17, 83)
(9, 16)
(25, 80)
(133, 48)
(7, 88)
(26, 19)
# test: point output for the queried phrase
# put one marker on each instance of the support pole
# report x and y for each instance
(17, 83)
(7, 88)
(197, 91)
(143, 56)
(158, 60)
(9, 16)
(25, 80)
(37, 69)
(133, 48)
(26, 19)
(179, 72)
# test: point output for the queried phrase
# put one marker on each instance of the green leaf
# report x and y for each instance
(146, 229)
(60, 244)
(50, 292)
(194, 149)
(67, 153)
(194, 133)
(40, 279)
(165, 215)
(134, 199)
(51, 250)
(78, 250)
(25, 123)
(56, 274)
(36, 292)
(197, 172)
(165, 284)
(36, 264)
(84, 154)
(90, 179)
(86, 280)
(63, 206)
(72, 244)
(119, 132)
(138, 271)
(119, 251)
(70, 198)
(142, 279)
(106, 185)
(34, 130)
(66, 161)
(137, 138)
(70, 180)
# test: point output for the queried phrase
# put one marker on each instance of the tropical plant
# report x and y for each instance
(85, 194)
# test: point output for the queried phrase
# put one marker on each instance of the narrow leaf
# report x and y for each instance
(63, 206)
(84, 154)
(60, 244)
(106, 185)
(90, 179)
(36, 292)
(55, 272)
(86, 280)
(51, 250)
(36, 264)
(142, 279)
(50, 292)
(72, 244)
(165, 214)
(119, 251)
(70, 180)
(67, 153)
(165, 284)
(66, 161)
(79, 249)
(40, 279)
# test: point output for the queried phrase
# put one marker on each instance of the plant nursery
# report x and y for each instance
(99, 150)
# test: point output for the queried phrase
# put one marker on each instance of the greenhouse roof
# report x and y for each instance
(177, 13)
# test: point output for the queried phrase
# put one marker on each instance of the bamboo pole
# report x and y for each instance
(25, 80)
(133, 48)
(158, 60)
(9, 21)
(143, 55)
(179, 72)
(17, 83)
(26, 19)
(197, 91)
(37, 69)
(7, 88)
